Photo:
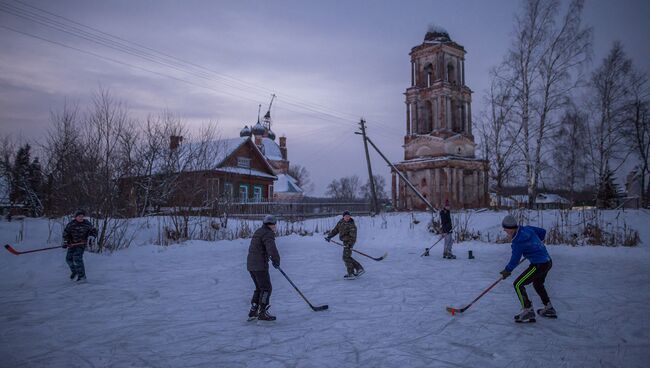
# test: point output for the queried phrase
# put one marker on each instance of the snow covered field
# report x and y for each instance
(185, 305)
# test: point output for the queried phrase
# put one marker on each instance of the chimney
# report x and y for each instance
(283, 147)
(175, 141)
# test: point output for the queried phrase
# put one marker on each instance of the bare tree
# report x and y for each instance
(610, 94)
(345, 188)
(499, 134)
(544, 60)
(570, 150)
(637, 126)
(301, 175)
(380, 189)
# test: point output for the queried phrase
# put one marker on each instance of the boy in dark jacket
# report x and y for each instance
(527, 241)
(261, 249)
(75, 238)
(347, 231)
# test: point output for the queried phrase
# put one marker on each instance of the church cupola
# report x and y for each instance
(245, 132)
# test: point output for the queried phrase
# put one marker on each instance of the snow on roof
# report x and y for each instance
(286, 184)
(271, 150)
(244, 171)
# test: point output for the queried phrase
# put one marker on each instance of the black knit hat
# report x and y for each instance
(346, 213)
(80, 212)
(509, 222)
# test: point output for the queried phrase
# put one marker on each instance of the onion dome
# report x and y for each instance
(258, 129)
(245, 132)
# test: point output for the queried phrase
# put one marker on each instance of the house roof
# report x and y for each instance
(271, 150)
(286, 184)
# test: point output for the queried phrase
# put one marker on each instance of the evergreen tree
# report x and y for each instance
(608, 191)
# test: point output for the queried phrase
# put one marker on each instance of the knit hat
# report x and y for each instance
(346, 213)
(509, 222)
(80, 213)
(269, 220)
(446, 203)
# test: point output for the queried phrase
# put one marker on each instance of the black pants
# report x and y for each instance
(535, 273)
(263, 288)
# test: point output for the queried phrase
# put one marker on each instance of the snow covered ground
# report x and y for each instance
(185, 305)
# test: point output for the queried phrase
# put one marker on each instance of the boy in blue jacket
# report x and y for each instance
(527, 241)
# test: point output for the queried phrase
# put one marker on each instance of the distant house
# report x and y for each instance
(239, 173)
(543, 201)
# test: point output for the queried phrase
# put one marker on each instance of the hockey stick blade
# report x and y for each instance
(381, 258)
(320, 308)
(11, 249)
(453, 311)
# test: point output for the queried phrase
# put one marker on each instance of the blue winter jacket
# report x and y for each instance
(528, 242)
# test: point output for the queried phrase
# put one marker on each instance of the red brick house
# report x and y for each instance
(238, 172)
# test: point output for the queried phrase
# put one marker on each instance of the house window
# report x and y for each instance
(243, 193)
(257, 193)
(227, 190)
(244, 162)
(212, 190)
(270, 192)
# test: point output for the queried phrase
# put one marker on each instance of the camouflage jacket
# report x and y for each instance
(78, 232)
(347, 232)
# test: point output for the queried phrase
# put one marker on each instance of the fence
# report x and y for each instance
(282, 209)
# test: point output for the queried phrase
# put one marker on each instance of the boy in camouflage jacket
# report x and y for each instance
(347, 231)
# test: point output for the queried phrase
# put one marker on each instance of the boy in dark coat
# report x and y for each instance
(75, 238)
(527, 241)
(347, 231)
(261, 249)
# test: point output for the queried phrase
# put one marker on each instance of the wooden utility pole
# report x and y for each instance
(371, 179)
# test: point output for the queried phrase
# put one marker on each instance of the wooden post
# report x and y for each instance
(371, 179)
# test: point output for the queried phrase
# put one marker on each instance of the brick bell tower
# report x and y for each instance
(439, 148)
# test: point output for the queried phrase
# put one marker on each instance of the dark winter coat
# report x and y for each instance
(445, 220)
(262, 249)
(528, 242)
(347, 232)
(78, 232)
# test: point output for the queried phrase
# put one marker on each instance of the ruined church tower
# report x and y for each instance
(439, 148)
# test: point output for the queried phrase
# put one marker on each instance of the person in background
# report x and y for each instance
(75, 238)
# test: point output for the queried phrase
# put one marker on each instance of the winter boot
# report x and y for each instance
(451, 256)
(264, 313)
(349, 276)
(253, 312)
(548, 311)
(526, 315)
(73, 275)
(81, 279)
(359, 272)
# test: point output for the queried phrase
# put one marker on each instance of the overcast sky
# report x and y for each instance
(348, 56)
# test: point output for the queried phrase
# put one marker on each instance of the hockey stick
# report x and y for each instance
(426, 251)
(315, 309)
(363, 254)
(453, 311)
(16, 252)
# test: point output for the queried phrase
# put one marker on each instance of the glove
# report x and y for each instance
(504, 274)
(276, 265)
(327, 239)
(64, 246)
